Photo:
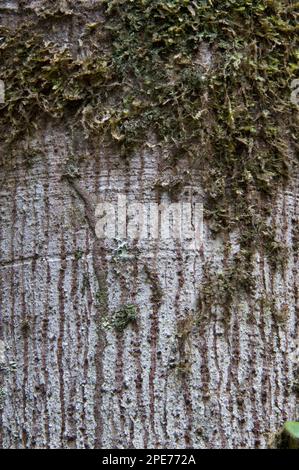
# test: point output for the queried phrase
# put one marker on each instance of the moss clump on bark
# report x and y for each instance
(123, 317)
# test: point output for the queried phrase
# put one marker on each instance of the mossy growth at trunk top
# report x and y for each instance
(211, 79)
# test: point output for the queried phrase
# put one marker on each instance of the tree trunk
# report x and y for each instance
(71, 377)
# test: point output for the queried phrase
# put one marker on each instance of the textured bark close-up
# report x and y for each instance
(192, 368)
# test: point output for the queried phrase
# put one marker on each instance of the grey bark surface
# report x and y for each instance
(69, 382)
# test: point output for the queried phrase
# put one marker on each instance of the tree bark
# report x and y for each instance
(168, 380)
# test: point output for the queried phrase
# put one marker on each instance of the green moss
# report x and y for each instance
(78, 254)
(234, 115)
(223, 286)
(210, 79)
(123, 317)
